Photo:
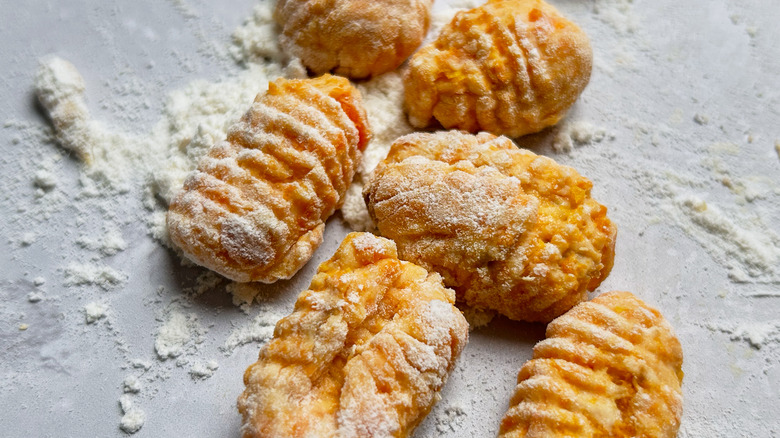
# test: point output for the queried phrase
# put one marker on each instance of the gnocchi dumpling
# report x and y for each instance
(364, 354)
(255, 208)
(608, 367)
(509, 230)
(509, 67)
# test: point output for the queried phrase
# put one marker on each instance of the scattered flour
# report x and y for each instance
(141, 364)
(201, 371)
(618, 14)
(256, 39)
(93, 312)
(179, 332)
(748, 248)
(449, 419)
(701, 119)
(34, 297)
(757, 334)
(244, 294)
(131, 385)
(579, 133)
(82, 274)
(110, 244)
(134, 418)
(260, 329)
(27, 238)
(45, 180)
(383, 99)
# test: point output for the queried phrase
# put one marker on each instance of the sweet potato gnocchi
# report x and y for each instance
(255, 208)
(355, 38)
(509, 230)
(510, 67)
(609, 367)
(364, 353)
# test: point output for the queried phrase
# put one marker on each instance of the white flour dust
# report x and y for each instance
(180, 333)
(134, 418)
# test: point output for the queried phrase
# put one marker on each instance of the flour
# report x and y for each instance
(181, 332)
(83, 274)
(109, 244)
(94, 312)
(27, 239)
(34, 297)
(110, 156)
(757, 334)
(259, 330)
(579, 133)
(383, 99)
(201, 371)
(449, 419)
(618, 14)
(131, 385)
(134, 418)
(256, 39)
(45, 180)
(749, 249)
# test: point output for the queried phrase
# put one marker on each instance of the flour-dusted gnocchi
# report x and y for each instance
(509, 230)
(510, 67)
(364, 354)
(255, 208)
(355, 38)
(609, 367)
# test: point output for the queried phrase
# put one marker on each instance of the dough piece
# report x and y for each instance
(255, 208)
(611, 367)
(510, 67)
(355, 38)
(364, 353)
(509, 230)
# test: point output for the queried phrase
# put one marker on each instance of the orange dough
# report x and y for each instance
(611, 367)
(507, 229)
(255, 208)
(364, 353)
(355, 38)
(510, 67)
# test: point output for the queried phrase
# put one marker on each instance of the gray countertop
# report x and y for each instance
(686, 97)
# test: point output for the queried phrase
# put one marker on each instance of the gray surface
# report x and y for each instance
(61, 377)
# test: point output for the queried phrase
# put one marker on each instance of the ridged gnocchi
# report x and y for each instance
(507, 229)
(509, 67)
(364, 353)
(255, 208)
(608, 367)
(355, 38)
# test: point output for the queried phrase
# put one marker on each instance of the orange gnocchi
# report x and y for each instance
(364, 353)
(355, 38)
(510, 67)
(507, 229)
(255, 208)
(609, 367)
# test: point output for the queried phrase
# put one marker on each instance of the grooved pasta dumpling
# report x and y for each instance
(355, 38)
(363, 354)
(510, 67)
(611, 367)
(509, 230)
(255, 208)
